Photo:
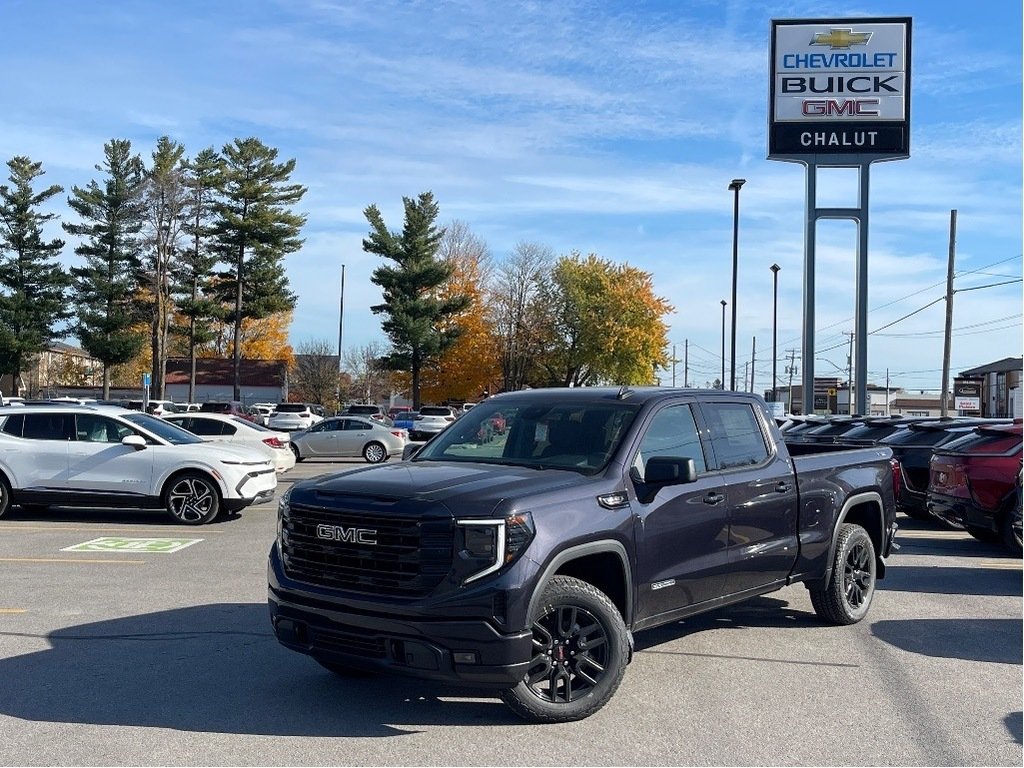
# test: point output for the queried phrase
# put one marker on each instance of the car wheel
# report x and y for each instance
(5, 495)
(580, 652)
(848, 595)
(375, 453)
(343, 670)
(191, 499)
(295, 450)
(1010, 527)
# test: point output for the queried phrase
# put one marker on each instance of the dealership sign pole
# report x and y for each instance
(840, 98)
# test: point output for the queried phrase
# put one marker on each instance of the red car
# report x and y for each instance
(973, 483)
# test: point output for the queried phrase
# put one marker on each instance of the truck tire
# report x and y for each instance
(581, 649)
(191, 498)
(848, 595)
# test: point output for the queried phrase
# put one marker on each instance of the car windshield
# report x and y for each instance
(172, 433)
(580, 436)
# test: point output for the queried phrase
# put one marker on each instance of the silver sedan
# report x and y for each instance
(347, 436)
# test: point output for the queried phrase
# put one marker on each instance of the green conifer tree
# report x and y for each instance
(414, 314)
(33, 286)
(255, 229)
(112, 218)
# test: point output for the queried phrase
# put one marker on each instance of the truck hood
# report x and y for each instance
(472, 490)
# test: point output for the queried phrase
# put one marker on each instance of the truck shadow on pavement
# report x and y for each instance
(219, 669)
(947, 580)
(993, 640)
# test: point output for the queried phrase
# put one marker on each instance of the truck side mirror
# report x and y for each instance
(660, 471)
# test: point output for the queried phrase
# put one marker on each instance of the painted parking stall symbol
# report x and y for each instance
(121, 544)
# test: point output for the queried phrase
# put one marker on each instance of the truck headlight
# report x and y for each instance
(283, 507)
(487, 546)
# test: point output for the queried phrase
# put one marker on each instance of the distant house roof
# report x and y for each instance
(66, 349)
(219, 372)
(1000, 366)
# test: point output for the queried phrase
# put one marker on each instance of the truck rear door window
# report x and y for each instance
(736, 436)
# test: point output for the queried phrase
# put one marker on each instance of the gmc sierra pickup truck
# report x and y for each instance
(526, 563)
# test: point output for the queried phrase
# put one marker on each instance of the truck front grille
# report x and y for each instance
(410, 558)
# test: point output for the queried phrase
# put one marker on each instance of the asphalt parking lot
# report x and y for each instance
(120, 656)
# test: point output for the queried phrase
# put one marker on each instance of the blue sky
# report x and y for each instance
(609, 127)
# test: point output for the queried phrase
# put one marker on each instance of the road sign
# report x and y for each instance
(145, 379)
(120, 544)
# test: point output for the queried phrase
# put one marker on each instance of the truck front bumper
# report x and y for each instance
(459, 651)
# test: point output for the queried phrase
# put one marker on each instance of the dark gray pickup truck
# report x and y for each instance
(524, 561)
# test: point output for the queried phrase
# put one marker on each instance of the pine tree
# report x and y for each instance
(193, 269)
(33, 286)
(165, 200)
(414, 313)
(112, 217)
(255, 229)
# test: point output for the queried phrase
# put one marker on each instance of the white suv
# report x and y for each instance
(104, 456)
(290, 417)
(430, 420)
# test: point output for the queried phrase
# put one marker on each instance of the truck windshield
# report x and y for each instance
(579, 436)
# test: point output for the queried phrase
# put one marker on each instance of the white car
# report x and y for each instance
(104, 456)
(218, 428)
(430, 420)
(292, 417)
(344, 436)
(262, 412)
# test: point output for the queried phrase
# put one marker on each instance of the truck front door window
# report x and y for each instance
(672, 433)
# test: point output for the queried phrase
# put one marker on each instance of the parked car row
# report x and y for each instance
(962, 471)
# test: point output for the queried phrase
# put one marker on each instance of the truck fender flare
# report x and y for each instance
(871, 497)
(582, 550)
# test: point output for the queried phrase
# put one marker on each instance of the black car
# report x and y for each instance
(876, 429)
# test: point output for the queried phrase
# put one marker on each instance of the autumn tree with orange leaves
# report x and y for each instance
(471, 365)
(605, 323)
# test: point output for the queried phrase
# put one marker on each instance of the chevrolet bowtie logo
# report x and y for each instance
(841, 38)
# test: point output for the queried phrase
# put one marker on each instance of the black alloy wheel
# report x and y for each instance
(847, 596)
(580, 652)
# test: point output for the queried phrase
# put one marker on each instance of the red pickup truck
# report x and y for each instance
(973, 484)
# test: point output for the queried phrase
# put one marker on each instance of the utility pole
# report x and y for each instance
(341, 326)
(849, 365)
(943, 407)
(791, 370)
(753, 357)
(673, 365)
(887, 413)
(686, 362)
(746, 367)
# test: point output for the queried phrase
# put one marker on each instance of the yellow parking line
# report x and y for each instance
(12, 610)
(932, 535)
(137, 529)
(68, 560)
(1008, 565)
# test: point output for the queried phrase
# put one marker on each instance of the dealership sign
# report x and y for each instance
(966, 394)
(840, 87)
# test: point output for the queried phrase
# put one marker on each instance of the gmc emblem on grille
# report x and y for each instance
(351, 535)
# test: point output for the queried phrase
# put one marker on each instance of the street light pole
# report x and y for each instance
(734, 185)
(775, 325)
(722, 380)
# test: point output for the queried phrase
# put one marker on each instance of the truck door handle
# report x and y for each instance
(783, 487)
(714, 498)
